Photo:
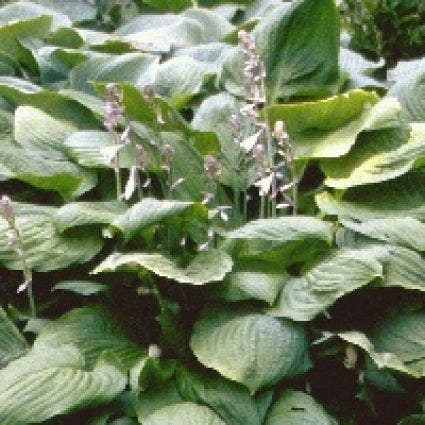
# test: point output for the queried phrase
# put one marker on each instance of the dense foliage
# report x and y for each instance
(392, 29)
(212, 214)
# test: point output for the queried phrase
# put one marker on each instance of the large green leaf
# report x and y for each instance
(207, 266)
(44, 248)
(329, 128)
(305, 297)
(359, 69)
(151, 211)
(396, 343)
(134, 68)
(169, 5)
(245, 285)
(21, 92)
(214, 115)
(300, 47)
(404, 231)
(378, 156)
(91, 148)
(298, 408)
(401, 197)
(94, 332)
(12, 343)
(409, 89)
(87, 213)
(184, 414)
(49, 382)
(250, 348)
(230, 400)
(160, 33)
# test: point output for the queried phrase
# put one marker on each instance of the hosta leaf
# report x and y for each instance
(36, 130)
(305, 297)
(80, 287)
(180, 79)
(243, 285)
(298, 408)
(135, 68)
(284, 229)
(184, 414)
(329, 128)
(46, 383)
(378, 156)
(160, 33)
(11, 31)
(77, 11)
(87, 213)
(215, 26)
(401, 197)
(207, 266)
(299, 47)
(359, 69)
(23, 11)
(21, 92)
(409, 90)
(151, 211)
(91, 149)
(59, 175)
(230, 400)
(214, 115)
(156, 398)
(12, 343)
(41, 240)
(407, 232)
(249, 348)
(396, 343)
(101, 335)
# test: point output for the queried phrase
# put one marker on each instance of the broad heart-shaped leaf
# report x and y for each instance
(404, 231)
(396, 343)
(49, 382)
(329, 128)
(284, 229)
(180, 79)
(184, 414)
(161, 33)
(21, 92)
(246, 285)
(207, 266)
(230, 400)
(300, 48)
(151, 211)
(44, 248)
(77, 11)
(401, 197)
(62, 176)
(214, 115)
(250, 348)
(36, 130)
(135, 68)
(409, 90)
(378, 156)
(12, 343)
(78, 214)
(305, 297)
(298, 408)
(94, 332)
(11, 31)
(359, 69)
(90, 148)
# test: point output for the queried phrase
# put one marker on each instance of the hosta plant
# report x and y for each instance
(211, 213)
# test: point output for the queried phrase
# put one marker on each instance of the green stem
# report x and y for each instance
(245, 206)
(262, 206)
